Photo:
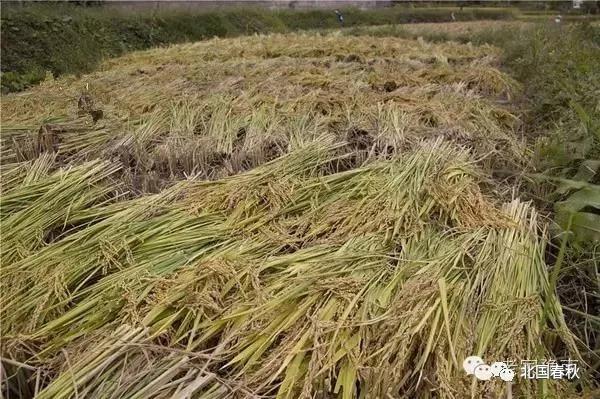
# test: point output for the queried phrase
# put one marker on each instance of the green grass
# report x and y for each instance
(67, 39)
(559, 68)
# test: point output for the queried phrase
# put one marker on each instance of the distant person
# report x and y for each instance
(340, 17)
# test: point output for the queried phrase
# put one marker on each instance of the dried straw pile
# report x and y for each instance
(216, 108)
(365, 260)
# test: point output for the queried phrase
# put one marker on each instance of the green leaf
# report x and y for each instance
(586, 226)
(563, 185)
(588, 196)
(566, 185)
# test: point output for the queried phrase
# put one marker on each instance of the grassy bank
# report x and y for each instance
(39, 38)
(559, 66)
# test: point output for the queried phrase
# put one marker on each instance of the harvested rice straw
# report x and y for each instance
(238, 103)
(369, 309)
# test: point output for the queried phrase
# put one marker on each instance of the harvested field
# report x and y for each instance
(213, 109)
(286, 216)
